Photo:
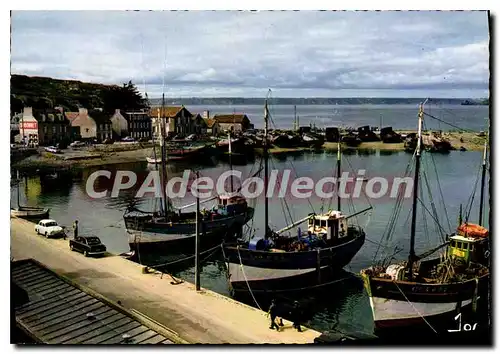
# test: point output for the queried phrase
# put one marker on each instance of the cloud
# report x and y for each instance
(228, 53)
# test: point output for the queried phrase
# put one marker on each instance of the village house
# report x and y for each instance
(199, 124)
(178, 121)
(119, 125)
(233, 122)
(138, 124)
(211, 126)
(44, 127)
(91, 125)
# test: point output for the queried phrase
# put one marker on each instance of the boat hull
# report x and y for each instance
(400, 304)
(187, 227)
(30, 214)
(336, 256)
(153, 160)
(154, 243)
(265, 280)
(288, 271)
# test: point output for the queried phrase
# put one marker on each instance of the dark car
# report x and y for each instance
(88, 245)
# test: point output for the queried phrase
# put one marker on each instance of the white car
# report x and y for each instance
(49, 228)
(77, 144)
(53, 149)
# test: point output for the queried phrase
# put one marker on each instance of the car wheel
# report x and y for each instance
(46, 234)
(71, 247)
(85, 253)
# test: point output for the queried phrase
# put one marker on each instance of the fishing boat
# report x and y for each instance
(312, 140)
(153, 160)
(170, 226)
(277, 262)
(176, 153)
(428, 293)
(28, 212)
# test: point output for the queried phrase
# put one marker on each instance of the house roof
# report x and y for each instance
(210, 122)
(230, 118)
(55, 311)
(50, 115)
(168, 111)
(72, 116)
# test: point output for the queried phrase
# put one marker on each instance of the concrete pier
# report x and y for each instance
(195, 317)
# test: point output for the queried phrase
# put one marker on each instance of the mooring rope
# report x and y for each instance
(414, 307)
(246, 280)
(183, 259)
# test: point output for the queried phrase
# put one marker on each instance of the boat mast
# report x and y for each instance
(197, 242)
(230, 160)
(415, 193)
(295, 128)
(483, 180)
(338, 174)
(266, 206)
(163, 158)
(18, 191)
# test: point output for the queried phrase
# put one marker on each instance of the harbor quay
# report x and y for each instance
(175, 307)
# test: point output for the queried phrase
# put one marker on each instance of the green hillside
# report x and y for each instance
(44, 92)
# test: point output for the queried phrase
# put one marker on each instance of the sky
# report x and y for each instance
(243, 54)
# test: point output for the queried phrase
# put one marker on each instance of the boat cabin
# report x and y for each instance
(470, 243)
(332, 224)
(469, 249)
(232, 204)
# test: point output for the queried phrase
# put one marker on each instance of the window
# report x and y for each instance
(54, 129)
(466, 246)
(459, 244)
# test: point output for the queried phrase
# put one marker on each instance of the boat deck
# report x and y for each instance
(196, 317)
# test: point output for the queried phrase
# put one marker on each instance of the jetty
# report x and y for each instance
(190, 316)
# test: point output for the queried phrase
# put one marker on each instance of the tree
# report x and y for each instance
(126, 97)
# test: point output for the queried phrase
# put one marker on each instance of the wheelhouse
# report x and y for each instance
(232, 203)
(469, 249)
(332, 224)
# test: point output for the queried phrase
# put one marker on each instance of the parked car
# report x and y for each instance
(108, 141)
(191, 137)
(77, 144)
(128, 139)
(88, 245)
(49, 228)
(53, 150)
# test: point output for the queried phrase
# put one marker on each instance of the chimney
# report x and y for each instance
(206, 114)
(82, 110)
(27, 111)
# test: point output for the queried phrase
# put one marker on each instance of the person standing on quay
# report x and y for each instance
(273, 313)
(75, 229)
(296, 316)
